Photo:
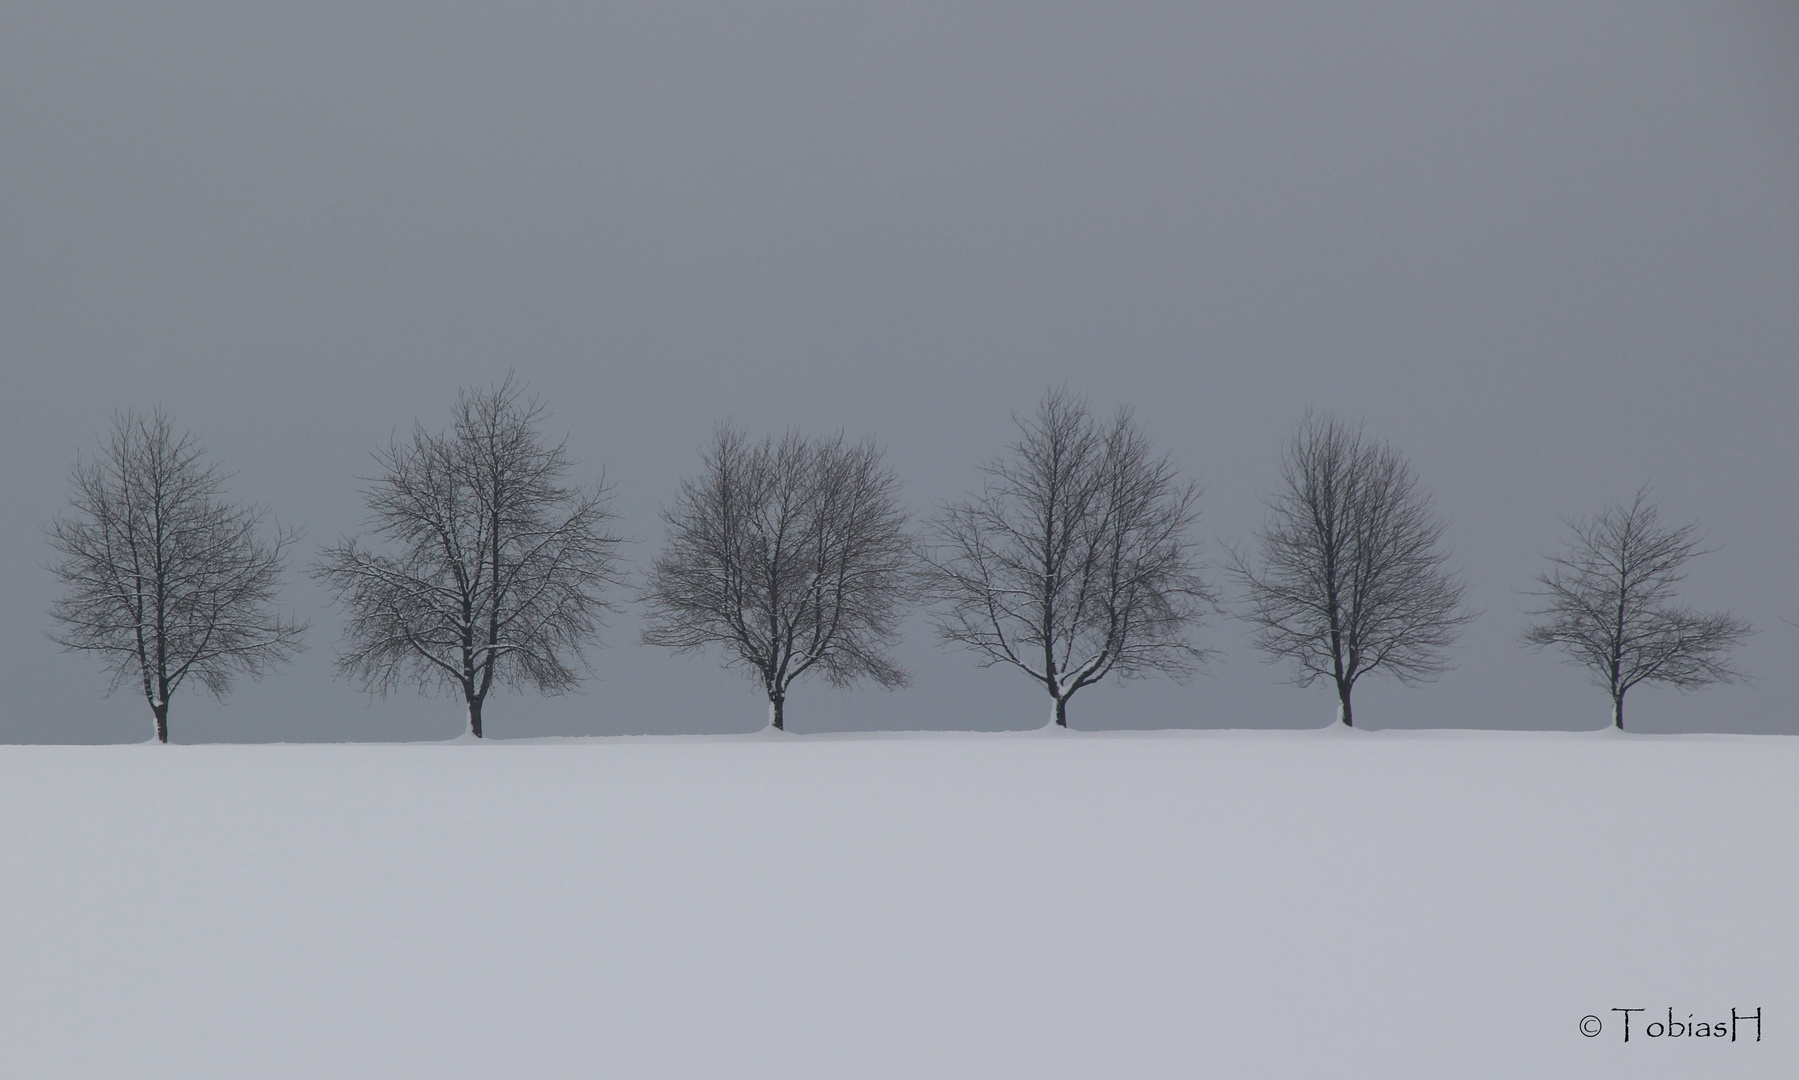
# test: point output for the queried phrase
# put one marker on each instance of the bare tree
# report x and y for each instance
(1609, 603)
(487, 567)
(1351, 578)
(1075, 562)
(793, 555)
(165, 579)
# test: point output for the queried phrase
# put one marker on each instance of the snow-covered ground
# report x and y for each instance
(1172, 904)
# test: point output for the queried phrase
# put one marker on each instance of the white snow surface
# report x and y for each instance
(1171, 904)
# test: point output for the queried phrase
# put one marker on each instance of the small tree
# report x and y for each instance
(488, 568)
(791, 554)
(1609, 604)
(164, 578)
(1075, 561)
(1351, 578)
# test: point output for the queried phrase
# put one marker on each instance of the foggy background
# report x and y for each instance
(1550, 251)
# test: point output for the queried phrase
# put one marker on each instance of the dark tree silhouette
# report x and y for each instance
(1351, 577)
(1075, 562)
(486, 567)
(1609, 604)
(791, 554)
(164, 578)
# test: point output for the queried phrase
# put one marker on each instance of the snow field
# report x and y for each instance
(1173, 904)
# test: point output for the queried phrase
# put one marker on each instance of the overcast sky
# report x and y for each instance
(1549, 250)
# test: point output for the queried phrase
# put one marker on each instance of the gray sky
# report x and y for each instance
(1549, 250)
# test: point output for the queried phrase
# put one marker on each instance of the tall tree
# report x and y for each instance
(1351, 577)
(165, 579)
(486, 568)
(792, 555)
(1075, 562)
(1609, 603)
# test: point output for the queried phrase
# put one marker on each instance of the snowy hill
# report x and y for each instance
(1175, 904)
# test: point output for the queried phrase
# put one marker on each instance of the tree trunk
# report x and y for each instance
(1344, 712)
(777, 704)
(1061, 712)
(162, 721)
(1618, 711)
(474, 718)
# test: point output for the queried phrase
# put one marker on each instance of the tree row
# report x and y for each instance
(482, 565)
